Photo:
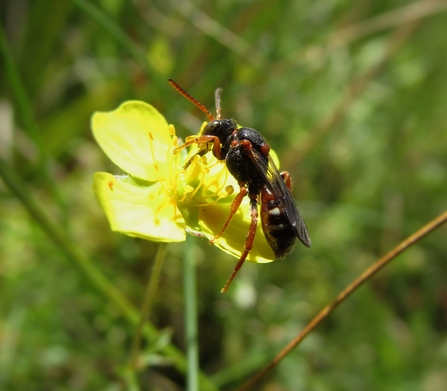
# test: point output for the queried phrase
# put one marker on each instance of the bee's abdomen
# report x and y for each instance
(278, 232)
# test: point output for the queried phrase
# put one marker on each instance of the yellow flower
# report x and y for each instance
(160, 200)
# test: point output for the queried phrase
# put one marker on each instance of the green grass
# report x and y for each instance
(351, 95)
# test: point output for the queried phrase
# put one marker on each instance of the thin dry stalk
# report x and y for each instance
(325, 312)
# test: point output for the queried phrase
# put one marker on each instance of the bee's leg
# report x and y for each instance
(248, 242)
(201, 153)
(233, 209)
(202, 140)
(287, 179)
(195, 232)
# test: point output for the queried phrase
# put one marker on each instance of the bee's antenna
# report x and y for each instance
(217, 98)
(193, 100)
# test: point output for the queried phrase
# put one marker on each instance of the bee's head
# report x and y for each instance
(222, 128)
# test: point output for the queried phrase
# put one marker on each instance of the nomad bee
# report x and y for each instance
(246, 155)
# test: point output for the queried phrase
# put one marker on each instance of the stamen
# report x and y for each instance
(198, 186)
(187, 189)
(171, 130)
(229, 190)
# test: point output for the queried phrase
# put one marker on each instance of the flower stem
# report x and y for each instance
(148, 302)
(192, 353)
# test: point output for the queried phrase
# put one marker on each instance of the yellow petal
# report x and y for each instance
(275, 158)
(132, 136)
(144, 212)
(211, 220)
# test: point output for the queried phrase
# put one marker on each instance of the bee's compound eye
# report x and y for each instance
(211, 127)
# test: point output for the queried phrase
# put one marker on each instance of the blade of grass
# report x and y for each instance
(21, 97)
(326, 311)
(117, 33)
(220, 33)
(26, 114)
(396, 17)
(353, 90)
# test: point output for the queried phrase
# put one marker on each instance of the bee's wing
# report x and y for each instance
(276, 184)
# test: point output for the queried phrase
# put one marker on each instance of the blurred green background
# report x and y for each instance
(351, 95)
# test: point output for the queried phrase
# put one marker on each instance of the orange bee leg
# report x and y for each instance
(248, 242)
(202, 140)
(287, 179)
(233, 209)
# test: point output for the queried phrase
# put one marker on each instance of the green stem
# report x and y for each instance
(191, 335)
(149, 298)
